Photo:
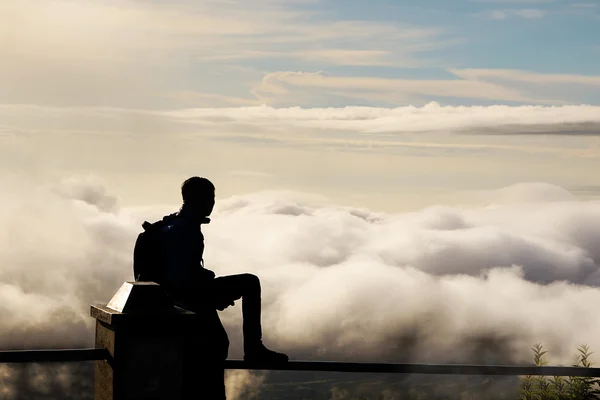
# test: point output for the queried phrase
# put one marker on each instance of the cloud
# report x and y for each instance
(432, 117)
(531, 13)
(526, 13)
(135, 53)
(285, 87)
(251, 174)
(498, 85)
(526, 76)
(497, 14)
(346, 42)
(531, 234)
(463, 268)
(242, 384)
(76, 251)
(339, 283)
(198, 99)
(584, 5)
(349, 57)
(433, 128)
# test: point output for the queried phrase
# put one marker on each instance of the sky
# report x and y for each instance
(387, 104)
(410, 180)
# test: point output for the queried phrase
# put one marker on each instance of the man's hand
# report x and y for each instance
(222, 303)
(209, 274)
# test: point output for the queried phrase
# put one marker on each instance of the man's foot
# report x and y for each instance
(259, 353)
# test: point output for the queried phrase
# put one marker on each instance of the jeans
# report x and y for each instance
(247, 287)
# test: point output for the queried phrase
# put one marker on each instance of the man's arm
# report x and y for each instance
(208, 274)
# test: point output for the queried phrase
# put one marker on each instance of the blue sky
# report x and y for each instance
(544, 37)
(539, 35)
(150, 54)
(555, 36)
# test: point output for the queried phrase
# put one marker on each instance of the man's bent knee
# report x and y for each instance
(252, 279)
(252, 282)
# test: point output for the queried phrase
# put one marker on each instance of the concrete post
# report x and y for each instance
(145, 336)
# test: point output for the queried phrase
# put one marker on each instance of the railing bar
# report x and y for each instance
(62, 355)
(74, 355)
(434, 369)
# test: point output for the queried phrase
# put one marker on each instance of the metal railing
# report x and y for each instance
(53, 356)
(75, 355)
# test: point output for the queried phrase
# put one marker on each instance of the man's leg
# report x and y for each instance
(247, 287)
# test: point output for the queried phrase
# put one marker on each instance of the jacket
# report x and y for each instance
(184, 276)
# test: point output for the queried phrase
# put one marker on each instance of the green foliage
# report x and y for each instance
(557, 387)
(560, 387)
(582, 387)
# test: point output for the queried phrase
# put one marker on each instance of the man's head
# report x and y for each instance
(199, 193)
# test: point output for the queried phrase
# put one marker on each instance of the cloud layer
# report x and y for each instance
(339, 282)
(430, 118)
(443, 284)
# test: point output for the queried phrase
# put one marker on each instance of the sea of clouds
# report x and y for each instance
(443, 284)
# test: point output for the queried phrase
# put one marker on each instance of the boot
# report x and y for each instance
(258, 353)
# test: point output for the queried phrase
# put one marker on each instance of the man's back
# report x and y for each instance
(182, 251)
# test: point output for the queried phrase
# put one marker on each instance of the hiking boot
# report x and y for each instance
(260, 354)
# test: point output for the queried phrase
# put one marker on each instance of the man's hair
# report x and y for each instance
(196, 189)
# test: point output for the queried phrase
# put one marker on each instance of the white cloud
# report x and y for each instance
(526, 76)
(499, 85)
(135, 52)
(198, 99)
(497, 14)
(337, 152)
(278, 87)
(250, 174)
(398, 58)
(432, 117)
(339, 283)
(350, 57)
(330, 150)
(312, 125)
(527, 13)
(433, 261)
(531, 13)
(584, 5)
(403, 157)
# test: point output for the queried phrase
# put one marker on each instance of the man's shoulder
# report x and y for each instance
(175, 224)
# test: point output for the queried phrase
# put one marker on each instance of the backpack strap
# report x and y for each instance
(147, 225)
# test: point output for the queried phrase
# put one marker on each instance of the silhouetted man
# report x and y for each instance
(196, 288)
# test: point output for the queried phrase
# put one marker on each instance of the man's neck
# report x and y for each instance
(192, 213)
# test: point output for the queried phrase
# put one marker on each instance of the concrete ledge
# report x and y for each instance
(140, 298)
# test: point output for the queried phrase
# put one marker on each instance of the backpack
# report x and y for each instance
(147, 252)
